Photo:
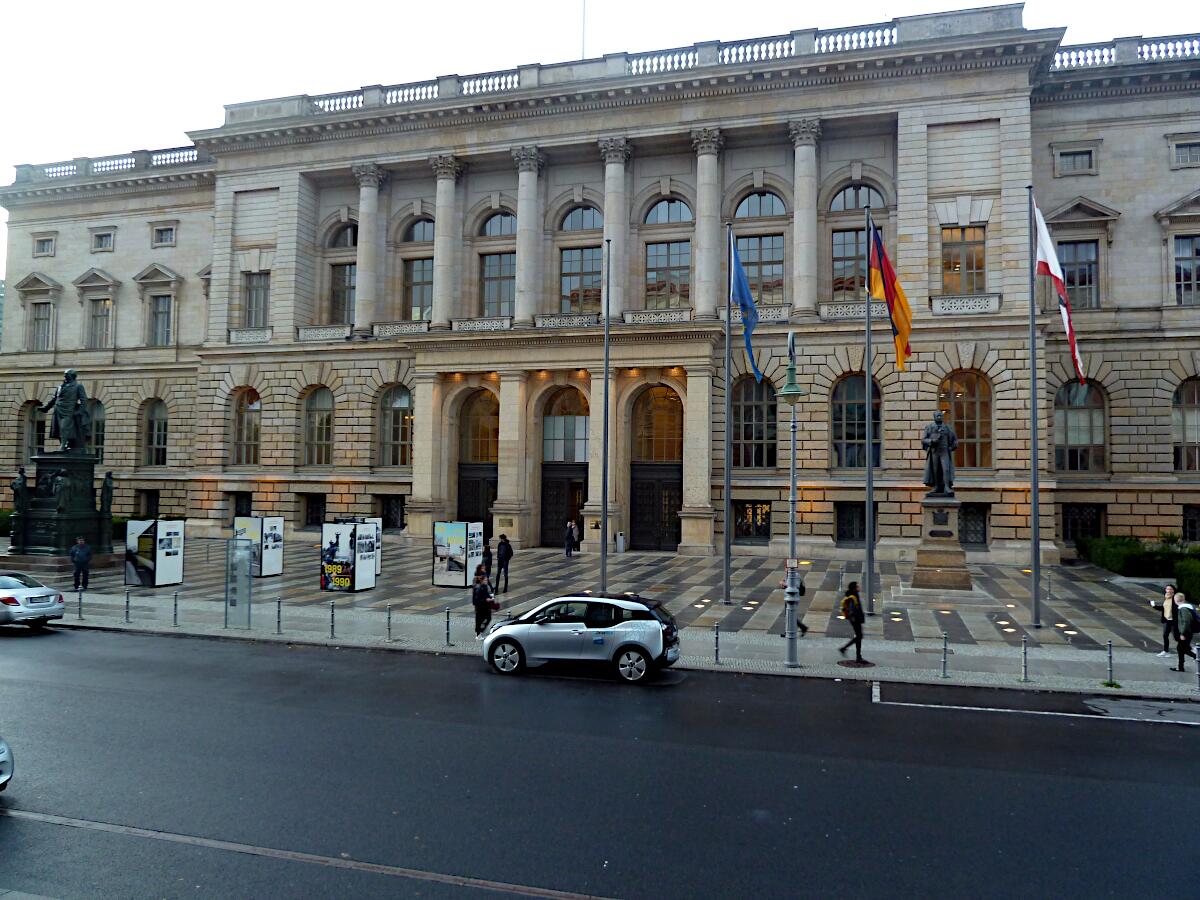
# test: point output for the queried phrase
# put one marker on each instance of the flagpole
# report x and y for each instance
(869, 562)
(727, 530)
(1035, 562)
(604, 438)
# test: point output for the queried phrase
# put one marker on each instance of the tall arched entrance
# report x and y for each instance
(564, 463)
(656, 470)
(478, 454)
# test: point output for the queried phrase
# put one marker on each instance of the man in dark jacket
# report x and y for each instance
(81, 558)
(504, 555)
(481, 599)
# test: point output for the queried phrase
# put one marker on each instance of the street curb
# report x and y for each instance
(808, 672)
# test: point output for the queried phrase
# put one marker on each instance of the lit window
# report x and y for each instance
(751, 521)
(565, 428)
(657, 423)
(395, 427)
(479, 431)
(965, 399)
(964, 266)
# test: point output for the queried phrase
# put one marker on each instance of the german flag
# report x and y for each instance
(884, 285)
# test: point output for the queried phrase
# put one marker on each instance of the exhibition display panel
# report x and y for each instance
(457, 551)
(153, 552)
(265, 534)
(348, 551)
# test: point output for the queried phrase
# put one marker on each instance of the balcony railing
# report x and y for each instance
(1127, 50)
(137, 161)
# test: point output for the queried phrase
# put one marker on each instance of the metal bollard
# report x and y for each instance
(447, 626)
(717, 643)
(126, 604)
(226, 624)
(389, 623)
(79, 607)
(331, 608)
(1111, 680)
(175, 610)
(945, 653)
(279, 615)
(1024, 658)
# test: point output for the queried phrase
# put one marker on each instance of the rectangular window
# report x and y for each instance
(762, 260)
(163, 236)
(849, 268)
(256, 296)
(147, 504)
(1079, 261)
(1075, 162)
(342, 279)
(963, 261)
(1187, 270)
(99, 323)
(1187, 154)
(43, 246)
(499, 283)
(565, 439)
(160, 320)
(314, 510)
(580, 280)
(391, 510)
(241, 503)
(1082, 520)
(39, 326)
(972, 524)
(668, 275)
(1191, 524)
(850, 523)
(418, 289)
(751, 521)
(156, 441)
(102, 241)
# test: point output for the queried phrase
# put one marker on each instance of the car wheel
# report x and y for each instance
(506, 657)
(37, 624)
(633, 664)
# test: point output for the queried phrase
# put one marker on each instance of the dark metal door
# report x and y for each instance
(656, 495)
(564, 493)
(476, 494)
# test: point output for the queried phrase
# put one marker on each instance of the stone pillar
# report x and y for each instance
(447, 169)
(426, 504)
(805, 261)
(707, 289)
(592, 509)
(514, 468)
(369, 178)
(615, 152)
(529, 162)
(697, 514)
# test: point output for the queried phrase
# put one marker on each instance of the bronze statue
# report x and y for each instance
(939, 442)
(20, 489)
(106, 494)
(61, 489)
(70, 421)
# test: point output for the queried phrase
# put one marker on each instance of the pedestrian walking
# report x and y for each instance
(81, 559)
(487, 561)
(481, 599)
(852, 612)
(504, 555)
(569, 538)
(1166, 611)
(575, 535)
(1188, 623)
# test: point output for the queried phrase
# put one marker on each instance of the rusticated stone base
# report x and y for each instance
(941, 563)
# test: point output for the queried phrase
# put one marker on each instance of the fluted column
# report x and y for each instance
(615, 152)
(707, 142)
(447, 169)
(529, 162)
(369, 178)
(804, 133)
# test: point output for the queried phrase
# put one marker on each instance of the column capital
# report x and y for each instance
(426, 377)
(513, 375)
(528, 159)
(615, 149)
(707, 140)
(446, 165)
(369, 175)
(804, 132)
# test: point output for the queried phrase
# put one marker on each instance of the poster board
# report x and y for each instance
(169, 560)
(377, 521)
(265, 534)
(347, 556)
(249, 528)
(474, 548)
(153, 553)
(457, 551)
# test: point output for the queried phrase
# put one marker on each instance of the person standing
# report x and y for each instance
(481, 599)
(852, 612)
(1166, 610)
(1187, 624)
(487, 562)
(504, 555)
(81, 559)
(569, 538)
(575, 535)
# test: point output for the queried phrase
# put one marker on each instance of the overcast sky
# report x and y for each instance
(93, 79)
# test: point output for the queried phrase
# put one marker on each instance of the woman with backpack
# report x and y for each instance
(1188, 623)
(852, 612)
(1166, 612)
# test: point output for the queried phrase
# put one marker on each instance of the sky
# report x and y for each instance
(87, 79)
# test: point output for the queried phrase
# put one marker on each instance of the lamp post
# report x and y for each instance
(790, 393)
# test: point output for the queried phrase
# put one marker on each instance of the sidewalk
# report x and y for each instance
(913, 660)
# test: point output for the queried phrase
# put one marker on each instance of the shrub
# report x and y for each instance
(1187, 577)
(1129, 556)
(5, 523)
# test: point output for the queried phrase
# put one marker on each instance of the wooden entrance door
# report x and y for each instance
(564, 492)
(476, 494)
(656, 495)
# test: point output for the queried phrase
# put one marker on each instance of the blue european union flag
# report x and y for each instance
(739, 293)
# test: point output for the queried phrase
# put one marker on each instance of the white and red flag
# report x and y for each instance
(1047, 264)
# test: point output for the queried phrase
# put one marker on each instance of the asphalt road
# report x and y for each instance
(704, 785)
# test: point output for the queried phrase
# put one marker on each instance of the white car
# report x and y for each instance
(26, 601)
(6, 764)
(634, 635)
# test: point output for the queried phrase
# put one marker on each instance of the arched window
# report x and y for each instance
(847, 241)
(395, 427)
(346, 236)
(247, 424)
(33, 426)
(668, 211)
(848, 417)
(856, 196)
(1185, 423)
(583, 218)
(565, 427)
(479, 432)
(1079, 443)
(419, 231)
(658, 426)
(965, 399)
(318, 428)
(95, 429)
(760, 203)
(499, 224)
(156, 433)
(754, 411)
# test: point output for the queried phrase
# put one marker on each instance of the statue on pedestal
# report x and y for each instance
(106, 495)
(939, 442)
(70, 418)
(20, 489)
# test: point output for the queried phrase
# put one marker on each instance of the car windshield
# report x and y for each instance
(15, 581)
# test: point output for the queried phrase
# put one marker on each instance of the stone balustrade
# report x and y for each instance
(396, 329)
(765, 314)
(136, 161)
(315, 333)
(965, 305)
(1127, 50)
(250, 335)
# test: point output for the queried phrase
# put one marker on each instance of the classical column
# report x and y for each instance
(529, 162)
(696, 517)
(447, 169)
(592, 509)
(804, 133)
(707, 291)
(425, 505)
(615, 152)
(513, 468)
(369, 178)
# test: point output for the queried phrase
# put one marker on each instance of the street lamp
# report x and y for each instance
(790, 393)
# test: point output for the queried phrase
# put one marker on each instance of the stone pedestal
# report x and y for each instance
(62, 507)
(941, 563)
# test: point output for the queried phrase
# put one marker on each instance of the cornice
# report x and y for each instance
(1114, 85)
(40, 191)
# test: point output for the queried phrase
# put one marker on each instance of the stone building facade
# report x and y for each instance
(388, 301)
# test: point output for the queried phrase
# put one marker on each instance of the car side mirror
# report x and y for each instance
(542, 619)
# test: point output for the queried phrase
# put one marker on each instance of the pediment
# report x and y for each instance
(155, 274)
(205, 274)
(1081, 210)
(36, 281)
(95, 278)
(1186, 207)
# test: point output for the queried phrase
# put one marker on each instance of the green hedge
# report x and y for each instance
(1187, 577)
(1130, 556)
(119, 523)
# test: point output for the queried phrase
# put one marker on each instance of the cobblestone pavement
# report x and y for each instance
(1082, 608)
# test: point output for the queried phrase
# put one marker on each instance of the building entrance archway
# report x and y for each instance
(478, 455)
(564, 464)
(656, 470)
